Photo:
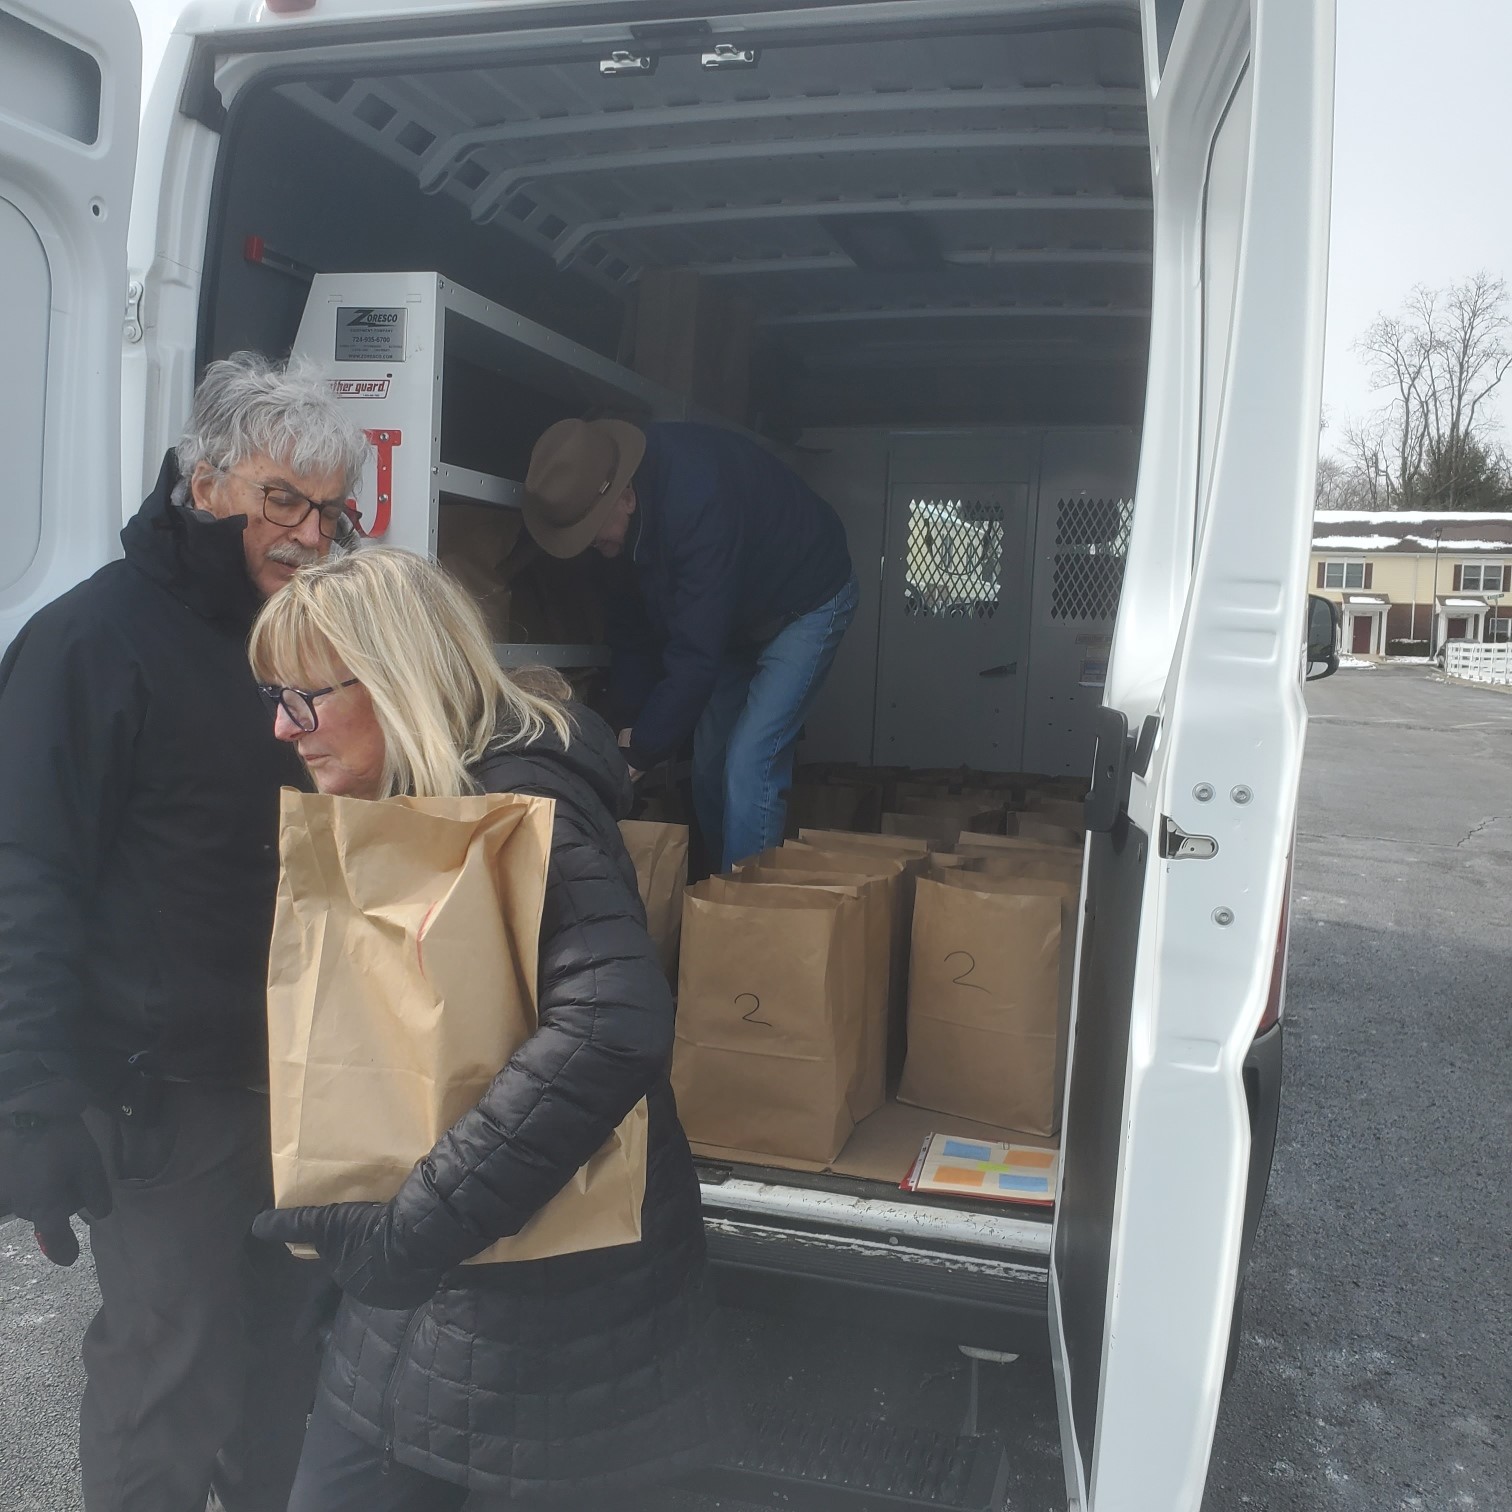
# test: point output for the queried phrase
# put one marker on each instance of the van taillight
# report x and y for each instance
(1272, 1015)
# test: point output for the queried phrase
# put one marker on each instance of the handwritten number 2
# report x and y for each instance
(961, 981)
(749, 1016)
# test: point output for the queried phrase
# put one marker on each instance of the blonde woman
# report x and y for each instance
(553, 1380)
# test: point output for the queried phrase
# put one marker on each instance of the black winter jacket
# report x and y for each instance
(139, 784)
(726, 543)
(587, 1373)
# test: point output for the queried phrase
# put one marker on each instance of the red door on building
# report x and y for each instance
(1458, 628)
(1362, 627)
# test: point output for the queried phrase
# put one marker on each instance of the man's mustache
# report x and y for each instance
(293, 554)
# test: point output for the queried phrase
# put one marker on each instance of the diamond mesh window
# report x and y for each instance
(1091, 540)
(955, 558)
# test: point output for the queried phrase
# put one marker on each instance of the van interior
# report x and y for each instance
(915, 258)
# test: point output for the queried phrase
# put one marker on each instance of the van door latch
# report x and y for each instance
(623, 62)
(1177, 845)
(134, 292)
(731, 55)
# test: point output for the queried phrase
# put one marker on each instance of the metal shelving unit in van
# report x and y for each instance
(386, 339)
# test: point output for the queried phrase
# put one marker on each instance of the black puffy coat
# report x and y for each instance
(583, 1374)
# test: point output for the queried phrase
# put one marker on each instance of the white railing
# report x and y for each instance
(1478, 663)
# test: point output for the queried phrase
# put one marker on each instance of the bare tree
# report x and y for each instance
(1389, 446)
(1342, 485)
(1430, 446)
(1328, 483)
(1369, 480)
(1469, 358)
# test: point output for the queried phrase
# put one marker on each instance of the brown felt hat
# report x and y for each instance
(577, 470)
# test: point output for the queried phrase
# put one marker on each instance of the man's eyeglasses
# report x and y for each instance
(285, 507)
(298, 704)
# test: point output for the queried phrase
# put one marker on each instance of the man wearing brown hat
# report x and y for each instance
(739, 592)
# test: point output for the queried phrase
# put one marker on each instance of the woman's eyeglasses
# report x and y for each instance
(298, 704)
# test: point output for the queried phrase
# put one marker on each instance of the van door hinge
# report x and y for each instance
(1177, 845)
(134, 292)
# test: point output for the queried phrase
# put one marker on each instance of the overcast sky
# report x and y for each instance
(1422, 189)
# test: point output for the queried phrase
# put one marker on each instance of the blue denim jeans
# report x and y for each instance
(744, 744)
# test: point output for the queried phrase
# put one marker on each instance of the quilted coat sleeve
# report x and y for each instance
(604, 1040)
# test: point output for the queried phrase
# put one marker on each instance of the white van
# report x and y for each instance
(1061, 259)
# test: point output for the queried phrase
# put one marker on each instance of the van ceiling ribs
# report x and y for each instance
(447, 155)
(946, 204)
(955, 312)
(503, 184)
(992, 257)
(885, 186)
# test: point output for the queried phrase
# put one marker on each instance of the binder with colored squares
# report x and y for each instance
(957, 1167)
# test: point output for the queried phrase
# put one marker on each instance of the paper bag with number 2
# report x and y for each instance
(769, 1017)
(989, 998)
(402, 977)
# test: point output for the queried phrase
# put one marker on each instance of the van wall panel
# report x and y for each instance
(1084, 477)
(955, 599)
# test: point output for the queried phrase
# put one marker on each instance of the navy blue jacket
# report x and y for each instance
(726, 543)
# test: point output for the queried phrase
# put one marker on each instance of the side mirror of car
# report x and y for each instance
(1322, 637)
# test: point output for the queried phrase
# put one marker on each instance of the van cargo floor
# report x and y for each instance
(883, 1147)
(793, 1459)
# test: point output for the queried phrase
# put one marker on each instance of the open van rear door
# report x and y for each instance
(1200, 750)
(70, 83)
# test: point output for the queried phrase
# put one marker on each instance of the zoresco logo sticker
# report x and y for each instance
(369, 333)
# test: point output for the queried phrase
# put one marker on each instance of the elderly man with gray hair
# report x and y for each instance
(139, 785)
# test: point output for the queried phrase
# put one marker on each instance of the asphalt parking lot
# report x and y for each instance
(1377, 1361)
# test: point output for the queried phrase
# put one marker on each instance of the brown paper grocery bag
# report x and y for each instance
(834, 804)
(1017, 845)
(1065, 811)
(769, 1017)
(1054, 865)
(660, 854)
(989, 999)
(832, 852)
(887, 845)
(969, 812)
(1029, 826)
(900, 872)
(944, 830)
(868, 1088)
(401, 978)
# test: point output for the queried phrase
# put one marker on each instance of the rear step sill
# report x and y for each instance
(897, 1222)
(792, 1460)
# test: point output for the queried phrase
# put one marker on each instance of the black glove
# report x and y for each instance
(50, 1169)
(361, 1243)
